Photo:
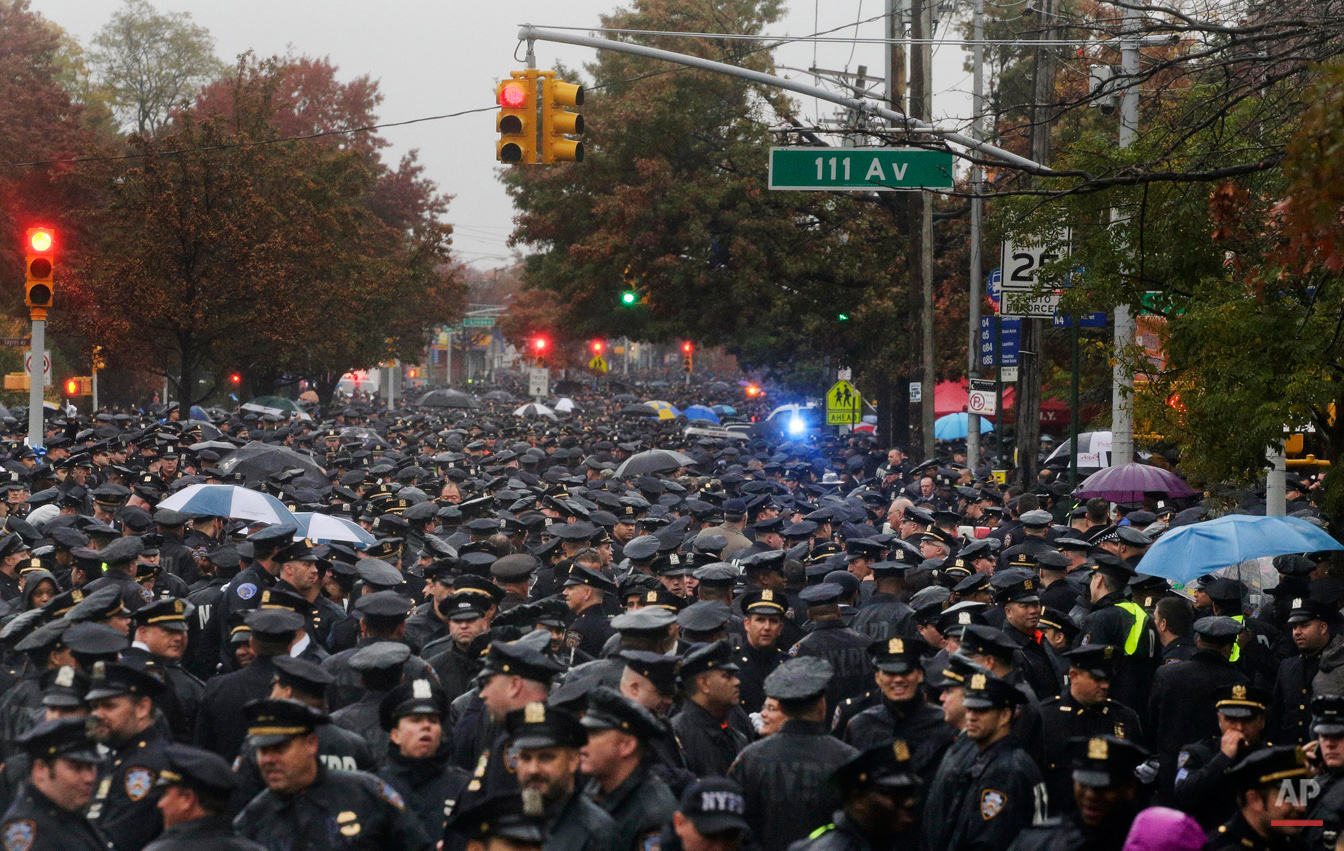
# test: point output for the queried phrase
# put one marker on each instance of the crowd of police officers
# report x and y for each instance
(563, 637)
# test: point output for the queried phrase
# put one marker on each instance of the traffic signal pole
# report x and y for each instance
(37, 381)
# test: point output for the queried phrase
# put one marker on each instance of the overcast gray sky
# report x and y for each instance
(439, 57)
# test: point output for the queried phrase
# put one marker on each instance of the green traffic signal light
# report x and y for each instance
(843, 317)
(627, 298)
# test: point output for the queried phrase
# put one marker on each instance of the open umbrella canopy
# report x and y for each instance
(565, 405)
(198, 413)
(663, 410)
(1129, 482)
(276, 405)
(256, 461)
(446, 399)
(653, 461)
(498, 396)
(209, 430)
(534, 409)
(324, 528)
(700, 412)
(954, 426)
(216, 445)
(724, 410)
(233, 501)
(1187, 552)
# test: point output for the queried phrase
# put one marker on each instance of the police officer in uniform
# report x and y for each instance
(884, 614)
(244, 592)
(121, 702)
(161, 635)
(903, 712)
(49, 812)
(880, 791)
(1018, 592)
(711, 726)
(306, 804)
(417, 762)
(617, 759)
(1314, 625)
(1103, 799)
(1118, 621)
(759, 652)
(784, 775)
(1201, 766)
(1083, 711)
(1258, 781)
(828, 637)
(987, 789)
(196, 787)
(1327, 806)
(584, 591)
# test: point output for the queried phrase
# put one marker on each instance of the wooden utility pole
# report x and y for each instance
(921, 245)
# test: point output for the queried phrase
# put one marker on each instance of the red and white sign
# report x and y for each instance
(981, 398)
(46, 365)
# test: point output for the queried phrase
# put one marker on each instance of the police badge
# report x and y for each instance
(991, 803)
(138, 783)
(19, 836)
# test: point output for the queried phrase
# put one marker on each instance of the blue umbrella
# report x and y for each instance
(724, 410)
(229, 501)
(1188, 552)
(953, 426)
(700, 412)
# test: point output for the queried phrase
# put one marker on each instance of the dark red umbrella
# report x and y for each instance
(1129, 482)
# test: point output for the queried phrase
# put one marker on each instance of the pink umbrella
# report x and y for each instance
(1129, 482)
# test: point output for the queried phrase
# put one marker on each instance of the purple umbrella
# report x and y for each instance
(1129, 482)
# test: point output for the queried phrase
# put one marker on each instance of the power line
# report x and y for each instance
(824, 39)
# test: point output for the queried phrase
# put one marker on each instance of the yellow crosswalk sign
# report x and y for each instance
(598, 364)
(844, 404)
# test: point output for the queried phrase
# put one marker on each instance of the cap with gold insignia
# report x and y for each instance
(897, 655)
(1096, 659)
(117, 680)
(516, 659)
(799, 679)
(764, 601)
(1016, 585)
(986, 691)
(169, 613)
(1104, 761)
(273, 721)
(658, 668)
(1268, 767)
(885, 766)
(1327, 714)
(537, 725)
(200, 770)
(1241, 701)
(608, 709)
(70, 738)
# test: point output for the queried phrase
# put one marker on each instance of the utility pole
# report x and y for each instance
(921, 107)
(897, 392)
(1122, 379)
(977, 210)
(1033, 330)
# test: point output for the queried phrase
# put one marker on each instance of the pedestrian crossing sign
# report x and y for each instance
(598, 364)
(844, 404)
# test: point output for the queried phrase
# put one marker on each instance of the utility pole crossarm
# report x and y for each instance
(529, 33)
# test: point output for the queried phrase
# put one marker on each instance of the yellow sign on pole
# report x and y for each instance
(844, 404)
(598, 364)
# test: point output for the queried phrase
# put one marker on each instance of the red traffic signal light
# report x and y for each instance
(72, 387)
(512, 95)
(39, 247)
(597, 347)
(539, 344)
(235, 378)
(41, 240)
(687, 347)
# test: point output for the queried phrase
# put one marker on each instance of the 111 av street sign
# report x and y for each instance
(860, 169)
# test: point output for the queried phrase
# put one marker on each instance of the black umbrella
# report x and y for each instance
(653, 461)
(446, 399)
(638, 411)
(257, 460)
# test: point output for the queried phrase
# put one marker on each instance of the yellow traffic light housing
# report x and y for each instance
(558, 122)
(39, 270)
(517, 119)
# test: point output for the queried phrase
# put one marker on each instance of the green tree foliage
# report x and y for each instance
(150, 63)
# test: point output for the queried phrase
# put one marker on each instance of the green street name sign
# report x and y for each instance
(478, 322)
(860, 169)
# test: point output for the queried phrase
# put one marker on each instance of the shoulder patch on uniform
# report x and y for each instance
(19, 835)
(991, 803)
(138, 783)
(793, 651)
(1183, 759)
(390, 795)
(247, 590)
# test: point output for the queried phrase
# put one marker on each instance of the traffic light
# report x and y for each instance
(99, 361)
(630, 295)
(687, 357)
(517, 121)
(40, 247)
(628, 298)
(539, 350)
(558, 122)
(597, 347)
(80, 385)
(235, 378)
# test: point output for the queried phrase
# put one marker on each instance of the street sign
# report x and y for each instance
(46, 364)
(478, 322)
(1008, 375)
(995, 287)
(844, 405)
(866, 169)
(844, 374)
(1022, 265)
(1011, 333)
(539, 381)
(982, 397)
(598, 364)
(1087, 320)
(916, 391)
